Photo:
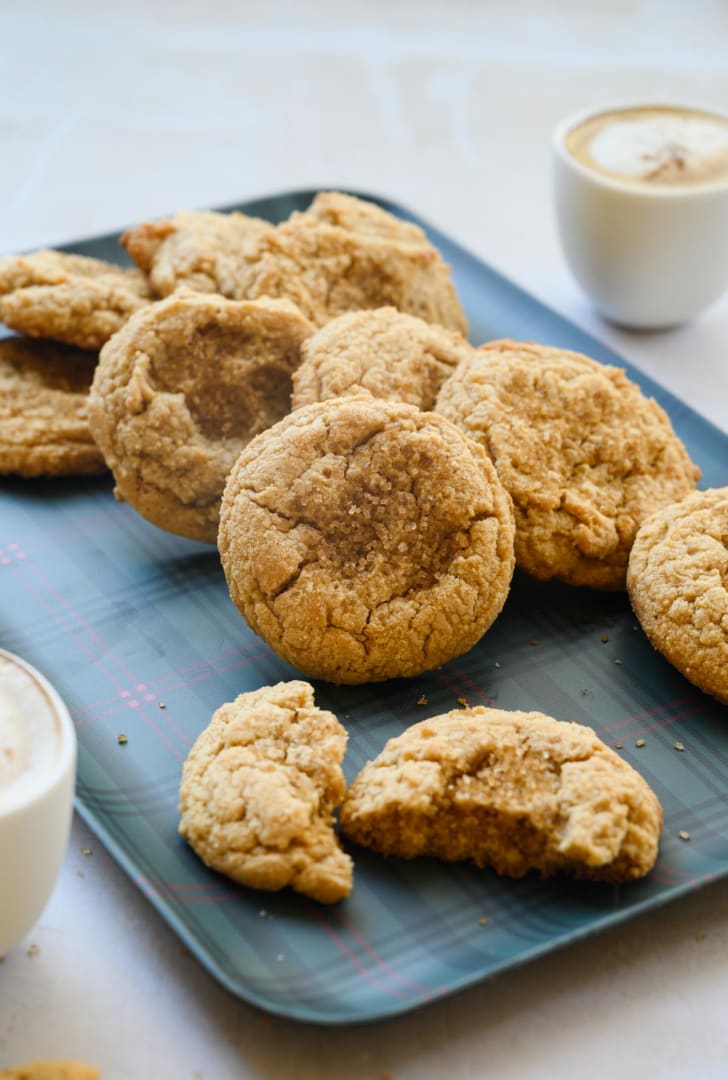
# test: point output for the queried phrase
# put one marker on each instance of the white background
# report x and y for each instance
(111, 114)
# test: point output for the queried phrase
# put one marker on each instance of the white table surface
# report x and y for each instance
(109, 115)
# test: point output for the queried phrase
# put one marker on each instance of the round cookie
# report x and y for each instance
(678, 585)
(44, 427)
(366, 258)
(178, 393)
(363, 539)
(515, 791)
(258, 792)
(196, 248)
(383, 352)
(585, 456)
(69, 298)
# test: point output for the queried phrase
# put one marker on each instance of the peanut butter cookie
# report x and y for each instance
(512, 790)
(678, 585)
(585, 456)
(258, 792)
(178, 393)
(69, 298)
(382, 352)
(363, 539)
(200, 249)
(364, 217)
(44, 428)
(51, 1070)
(330, 264)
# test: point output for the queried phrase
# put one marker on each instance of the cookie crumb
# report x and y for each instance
(533, 641)
(422, 700)
(498, 664)
(605, 639)
(86, 851)
(122, 739)
(684, 834)
(463, 702)
(620, 662)
(263, 914)
(80, 873)
(32, 950)
(162, 705)
(678, 746)
(618, 745)
(640, 742)
(483, 921)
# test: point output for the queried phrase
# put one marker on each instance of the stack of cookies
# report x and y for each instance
(304, 396)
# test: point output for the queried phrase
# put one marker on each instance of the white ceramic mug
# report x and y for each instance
(35, 816)
(648, 257)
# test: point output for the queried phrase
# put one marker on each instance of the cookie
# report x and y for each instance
(258, 792)
(178, 393)
(199, 249)
(515, 791)
(382, 352)
(69, 298)
(44, 427)
(363, 217)
(363, 539)
(584, 454)
(329, 266)
(51, 1070)
(678, 585)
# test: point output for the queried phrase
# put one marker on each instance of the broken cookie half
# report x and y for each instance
(514, 791)
(258, 792)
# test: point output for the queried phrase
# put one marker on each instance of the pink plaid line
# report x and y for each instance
(76, 636)
(377, 958)
(634, 721)
(369, 974)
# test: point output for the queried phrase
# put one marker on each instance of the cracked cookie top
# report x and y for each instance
(584, 454)
(258, 792)
(515, 791)
(330, 261)
(678, 585)
(69, 298)
(179, 392)
(44, 427)
(383, 352)
(200, 249)
(363, 539)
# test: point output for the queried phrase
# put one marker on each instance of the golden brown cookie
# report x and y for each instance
(51, 1070)
(364, 217)
(178, 393)
(678, 585)
(44, 410)
(512, 790)
(69, 298)
(363, 539)
(329, 265)
(258, 792)
(381, 352)
(585, 456)
(197, 248)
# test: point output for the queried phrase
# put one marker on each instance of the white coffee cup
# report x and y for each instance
(35, 804)
(649, 257)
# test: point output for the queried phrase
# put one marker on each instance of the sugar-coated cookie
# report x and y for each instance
(584, 454)
(363, 539)
(678, 585)
(515, 791)
(180, 391)
(258, 792)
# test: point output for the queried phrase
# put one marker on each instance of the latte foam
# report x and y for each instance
(30, 735)
(654, 146)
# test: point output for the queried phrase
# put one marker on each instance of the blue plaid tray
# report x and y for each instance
(135, 628)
